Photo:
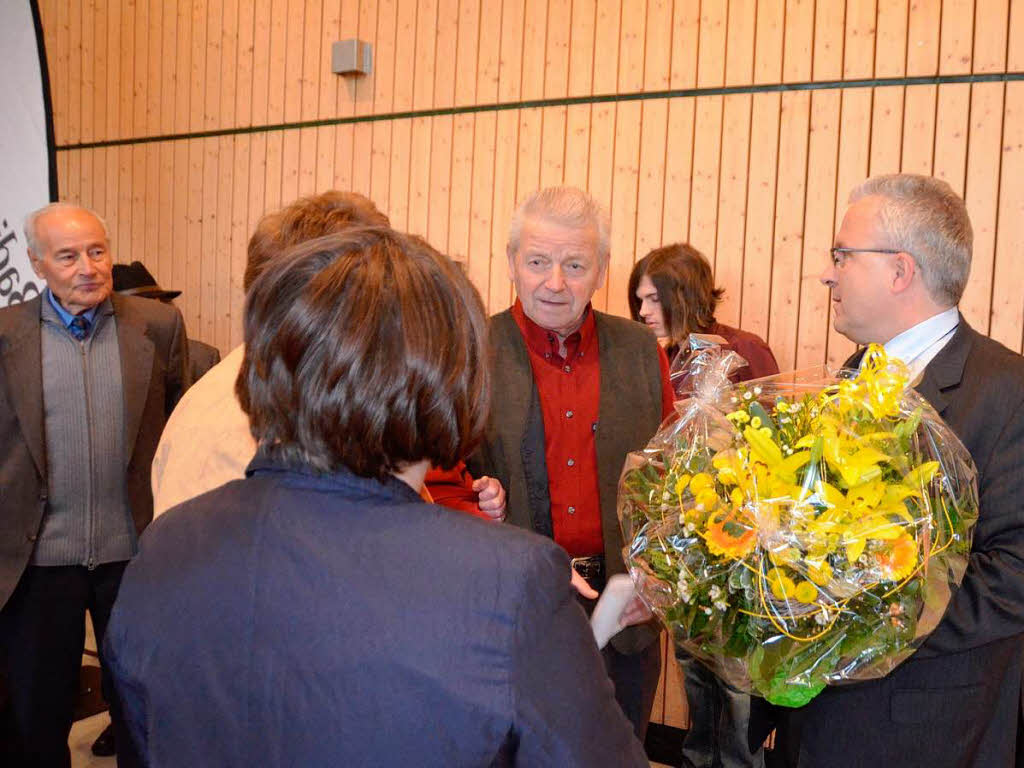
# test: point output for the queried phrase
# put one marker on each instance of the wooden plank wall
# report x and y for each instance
(757, 180)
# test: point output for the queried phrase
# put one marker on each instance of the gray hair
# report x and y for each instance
(923, 216)
(32, 236)
(568, 206)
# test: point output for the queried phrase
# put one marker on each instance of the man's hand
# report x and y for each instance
(490, 497)
(635, 612)
(581, 585)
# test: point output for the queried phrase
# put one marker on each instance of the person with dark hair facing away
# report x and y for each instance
(672, 290)
(207, 443)
(334, 617)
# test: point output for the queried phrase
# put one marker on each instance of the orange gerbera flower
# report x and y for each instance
(727, 535)
(898, 561)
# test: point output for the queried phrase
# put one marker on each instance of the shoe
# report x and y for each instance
(104, 745)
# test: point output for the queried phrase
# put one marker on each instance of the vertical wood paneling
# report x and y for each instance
(757, 181)
(755, 301)
(681, 118)
(1007, 302)
(819, 212)
(581, 71)
(919, 108)
(601, 170)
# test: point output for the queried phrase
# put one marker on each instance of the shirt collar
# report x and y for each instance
(917, 345)
(544, 343)
(65, 316)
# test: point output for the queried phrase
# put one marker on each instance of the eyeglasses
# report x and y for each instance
(840, 255)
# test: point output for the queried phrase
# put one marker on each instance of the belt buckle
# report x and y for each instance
(587, 567)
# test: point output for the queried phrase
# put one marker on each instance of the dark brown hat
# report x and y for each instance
(134, 280)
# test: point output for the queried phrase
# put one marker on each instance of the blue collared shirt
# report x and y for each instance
(918, 345)
(65, 316)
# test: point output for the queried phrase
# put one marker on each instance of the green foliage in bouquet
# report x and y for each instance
(810, 537)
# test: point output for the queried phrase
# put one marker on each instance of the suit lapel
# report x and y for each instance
(136, 351)
(946, 370)
(23, 371)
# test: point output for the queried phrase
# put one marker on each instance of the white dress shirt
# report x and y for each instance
(917, 346)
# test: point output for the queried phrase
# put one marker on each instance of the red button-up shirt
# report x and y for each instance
(569, 388)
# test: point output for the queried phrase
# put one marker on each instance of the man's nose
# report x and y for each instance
(828, 276)
(556, 280)
(86, 266)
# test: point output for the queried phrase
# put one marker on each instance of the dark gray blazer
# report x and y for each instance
(154, 365)
(955, 701)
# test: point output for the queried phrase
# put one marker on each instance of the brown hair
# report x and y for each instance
(364, 349)
(685, 285)
(305, 219)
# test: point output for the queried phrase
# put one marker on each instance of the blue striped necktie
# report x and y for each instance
(79, 327)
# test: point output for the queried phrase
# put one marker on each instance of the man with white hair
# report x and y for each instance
(575, 390)
(899, 267)
(87, 380)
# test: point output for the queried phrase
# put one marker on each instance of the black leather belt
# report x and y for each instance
(591, 569)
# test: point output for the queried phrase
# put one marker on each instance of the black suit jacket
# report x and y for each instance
(954, 702)
(154, 365)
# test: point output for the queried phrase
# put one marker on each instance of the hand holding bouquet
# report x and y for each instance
(794, 532)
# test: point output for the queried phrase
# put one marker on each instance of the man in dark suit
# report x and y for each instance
(575, 390)
(898, 270)
(87, 380)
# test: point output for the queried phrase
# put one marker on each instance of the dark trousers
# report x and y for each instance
(635, 677)
(718, 736)
(42, 629)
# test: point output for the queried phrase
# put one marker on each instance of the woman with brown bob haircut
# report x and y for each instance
(329, 614)
(672, 291)
(363, 369)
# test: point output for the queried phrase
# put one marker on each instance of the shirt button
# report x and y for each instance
(547, 355)
(568, 414)
(571, 510)
(571, 462)
(567, 369)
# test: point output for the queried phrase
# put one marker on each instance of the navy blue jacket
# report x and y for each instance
(334, 620)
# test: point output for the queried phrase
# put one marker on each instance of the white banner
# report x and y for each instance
(26, 144)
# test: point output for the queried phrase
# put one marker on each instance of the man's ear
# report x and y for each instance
(511, 264)
(904, 270)
(34, 261)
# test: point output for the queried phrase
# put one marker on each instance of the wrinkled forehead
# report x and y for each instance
(548, 235)
(69, 228)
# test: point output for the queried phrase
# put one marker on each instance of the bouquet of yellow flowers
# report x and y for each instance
(799, 530)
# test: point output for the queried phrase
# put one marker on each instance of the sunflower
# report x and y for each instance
(727, 535)
(898, 560)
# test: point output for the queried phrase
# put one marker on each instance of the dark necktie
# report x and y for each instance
(79, 327)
